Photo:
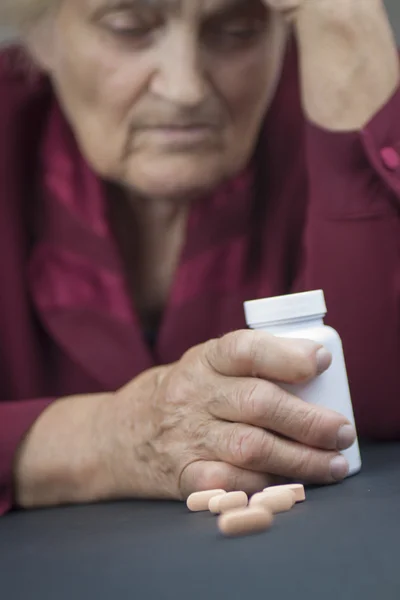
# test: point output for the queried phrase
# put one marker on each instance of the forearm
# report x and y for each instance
(348, 59)
(16, 418)
(92, 448)
(351, 251)
(60, 459)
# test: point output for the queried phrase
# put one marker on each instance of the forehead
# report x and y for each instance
(177, 7)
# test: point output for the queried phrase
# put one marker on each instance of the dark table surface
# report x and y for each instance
(343, 543)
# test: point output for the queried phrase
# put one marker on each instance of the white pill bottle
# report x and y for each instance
(302, 316)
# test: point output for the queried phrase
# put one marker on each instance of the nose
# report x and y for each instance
(179, 77)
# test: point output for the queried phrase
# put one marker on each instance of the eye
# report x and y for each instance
(128, 26)
(236, 34)
(136, 33)
(242, 33)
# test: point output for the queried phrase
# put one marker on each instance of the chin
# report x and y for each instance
(178, 178)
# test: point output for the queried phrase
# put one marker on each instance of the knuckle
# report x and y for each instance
(252, 401)
(268, 450)
(242, 345)
(305, 466)
(212, 476)
(190, 355)
(259, 345)
(277, 409)
(193, 356)
(211, 352)
(247, 445)
(173, 388)
(310, 425)
(179, 396)
(243, 348)
(235, 344)
(181, 382)
(256, 352)
(303, 363)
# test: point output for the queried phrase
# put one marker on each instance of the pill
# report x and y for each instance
(230, 501)
(199, 500)
(280, 501)
(296, 488)
(245, 521)
(274, 491)
(213, 504)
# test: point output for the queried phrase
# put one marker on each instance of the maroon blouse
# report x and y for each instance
(314, 209)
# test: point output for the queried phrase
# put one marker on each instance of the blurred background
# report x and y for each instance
(393, 7)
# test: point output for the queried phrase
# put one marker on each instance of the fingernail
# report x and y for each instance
(346, 437)
(339, 468)
(324, 360)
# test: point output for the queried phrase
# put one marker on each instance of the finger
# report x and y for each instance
(250, 353)
(263, 404)
(255, 449)
(208, 475)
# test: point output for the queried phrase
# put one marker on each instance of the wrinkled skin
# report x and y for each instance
(173, 129)
(211, 420)
(155, 91)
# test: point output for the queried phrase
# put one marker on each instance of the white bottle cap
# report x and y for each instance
(285, 308)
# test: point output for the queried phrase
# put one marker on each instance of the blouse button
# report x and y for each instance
(390, 158)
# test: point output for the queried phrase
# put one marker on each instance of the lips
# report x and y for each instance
(182, 124)
(180, 136)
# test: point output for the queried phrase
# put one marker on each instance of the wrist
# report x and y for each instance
(59, 461)
(349, 61)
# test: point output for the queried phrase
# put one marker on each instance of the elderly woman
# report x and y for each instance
(161, 162)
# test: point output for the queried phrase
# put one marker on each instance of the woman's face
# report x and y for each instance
(166, 97)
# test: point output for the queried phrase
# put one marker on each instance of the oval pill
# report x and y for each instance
(281, 501)
(229, 501)
(296, 488)
(213, 505)
(276, 491)
(245, 521)
(199, 500)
